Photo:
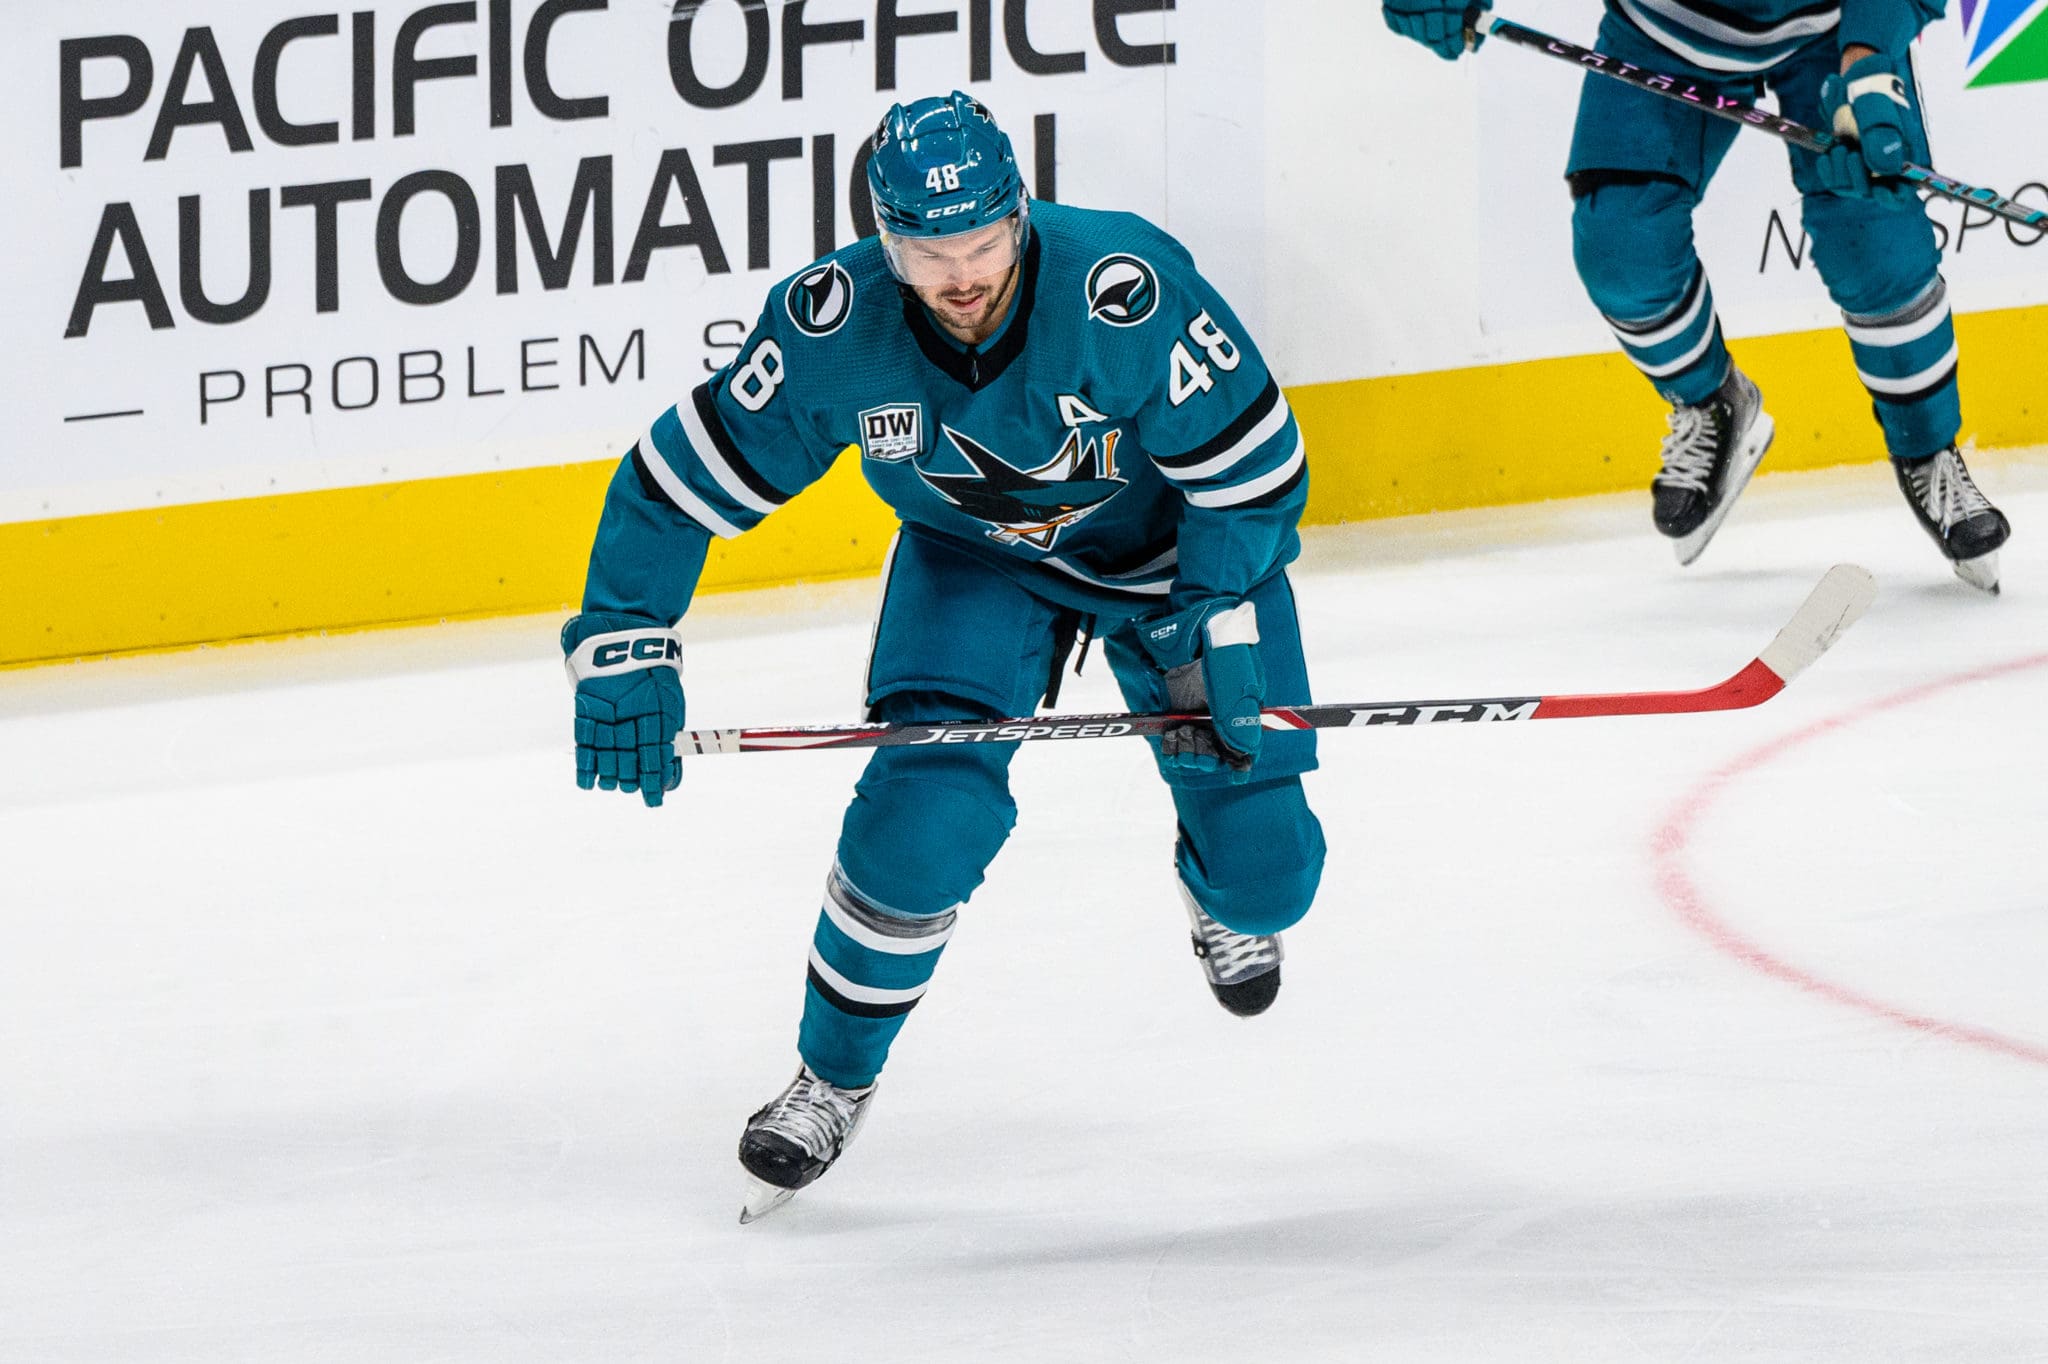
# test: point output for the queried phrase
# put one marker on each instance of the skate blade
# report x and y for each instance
(1980, 572)
(1690, 546)
(762, 1198)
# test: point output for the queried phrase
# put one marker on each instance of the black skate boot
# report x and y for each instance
(1712, 450)
(795, 1139)
(1243, 970)
(1961, 519)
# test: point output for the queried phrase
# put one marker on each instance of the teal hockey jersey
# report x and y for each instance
(1746, 37)
(1118, 446)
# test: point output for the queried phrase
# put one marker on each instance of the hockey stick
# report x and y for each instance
(1832, 607)
(1735, 111)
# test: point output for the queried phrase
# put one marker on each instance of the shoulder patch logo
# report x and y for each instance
(892, 433)
(1122, 290)
(820, 300)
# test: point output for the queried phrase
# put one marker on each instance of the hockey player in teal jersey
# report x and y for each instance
(1639, 165)
(1077, 435)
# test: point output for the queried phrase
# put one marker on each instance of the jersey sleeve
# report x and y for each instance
(741, 443)
(1220, 430)
(732, 450)
(1889, 26)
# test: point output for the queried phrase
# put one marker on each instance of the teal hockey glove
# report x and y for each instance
(628, 674)
(1869, 108)
(1209, 653)
(1438, 25)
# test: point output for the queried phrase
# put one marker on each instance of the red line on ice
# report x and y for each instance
(1669, 844)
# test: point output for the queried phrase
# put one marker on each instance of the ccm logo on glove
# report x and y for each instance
(653, 649)
(620, 651)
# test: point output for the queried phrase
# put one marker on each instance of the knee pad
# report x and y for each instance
(923, 827)
(1262, 905)
(1256, 885)
(1632, 242)
(1875, 255)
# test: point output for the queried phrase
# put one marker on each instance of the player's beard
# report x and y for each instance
(977, 326)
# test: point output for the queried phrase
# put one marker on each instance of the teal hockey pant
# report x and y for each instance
(960, 640)
(1639, 166)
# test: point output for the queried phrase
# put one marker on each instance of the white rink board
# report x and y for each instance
(489, 377)
(1371, 210)
(1418, 217)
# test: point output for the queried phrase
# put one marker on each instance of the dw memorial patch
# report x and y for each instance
(892, 433)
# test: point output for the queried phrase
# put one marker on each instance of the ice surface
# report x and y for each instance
(337, 1025)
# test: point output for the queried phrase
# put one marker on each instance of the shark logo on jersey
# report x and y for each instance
(1031, 506)
(1122, 290)
(820, 299)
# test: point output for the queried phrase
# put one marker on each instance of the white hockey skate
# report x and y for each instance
(1709, 456)
(1243, 969)
(795, 1138)
(1961, 519)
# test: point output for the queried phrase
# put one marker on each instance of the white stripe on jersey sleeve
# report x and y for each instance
(1275, 418)
(679, 492)
(714, 463)
(1251, 488)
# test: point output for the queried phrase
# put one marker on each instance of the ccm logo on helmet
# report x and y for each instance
(649, 649)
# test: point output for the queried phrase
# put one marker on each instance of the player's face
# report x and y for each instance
(965, 279)
(937, 262)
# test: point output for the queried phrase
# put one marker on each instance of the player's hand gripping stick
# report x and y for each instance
(1876, 124)
(1210, 656)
